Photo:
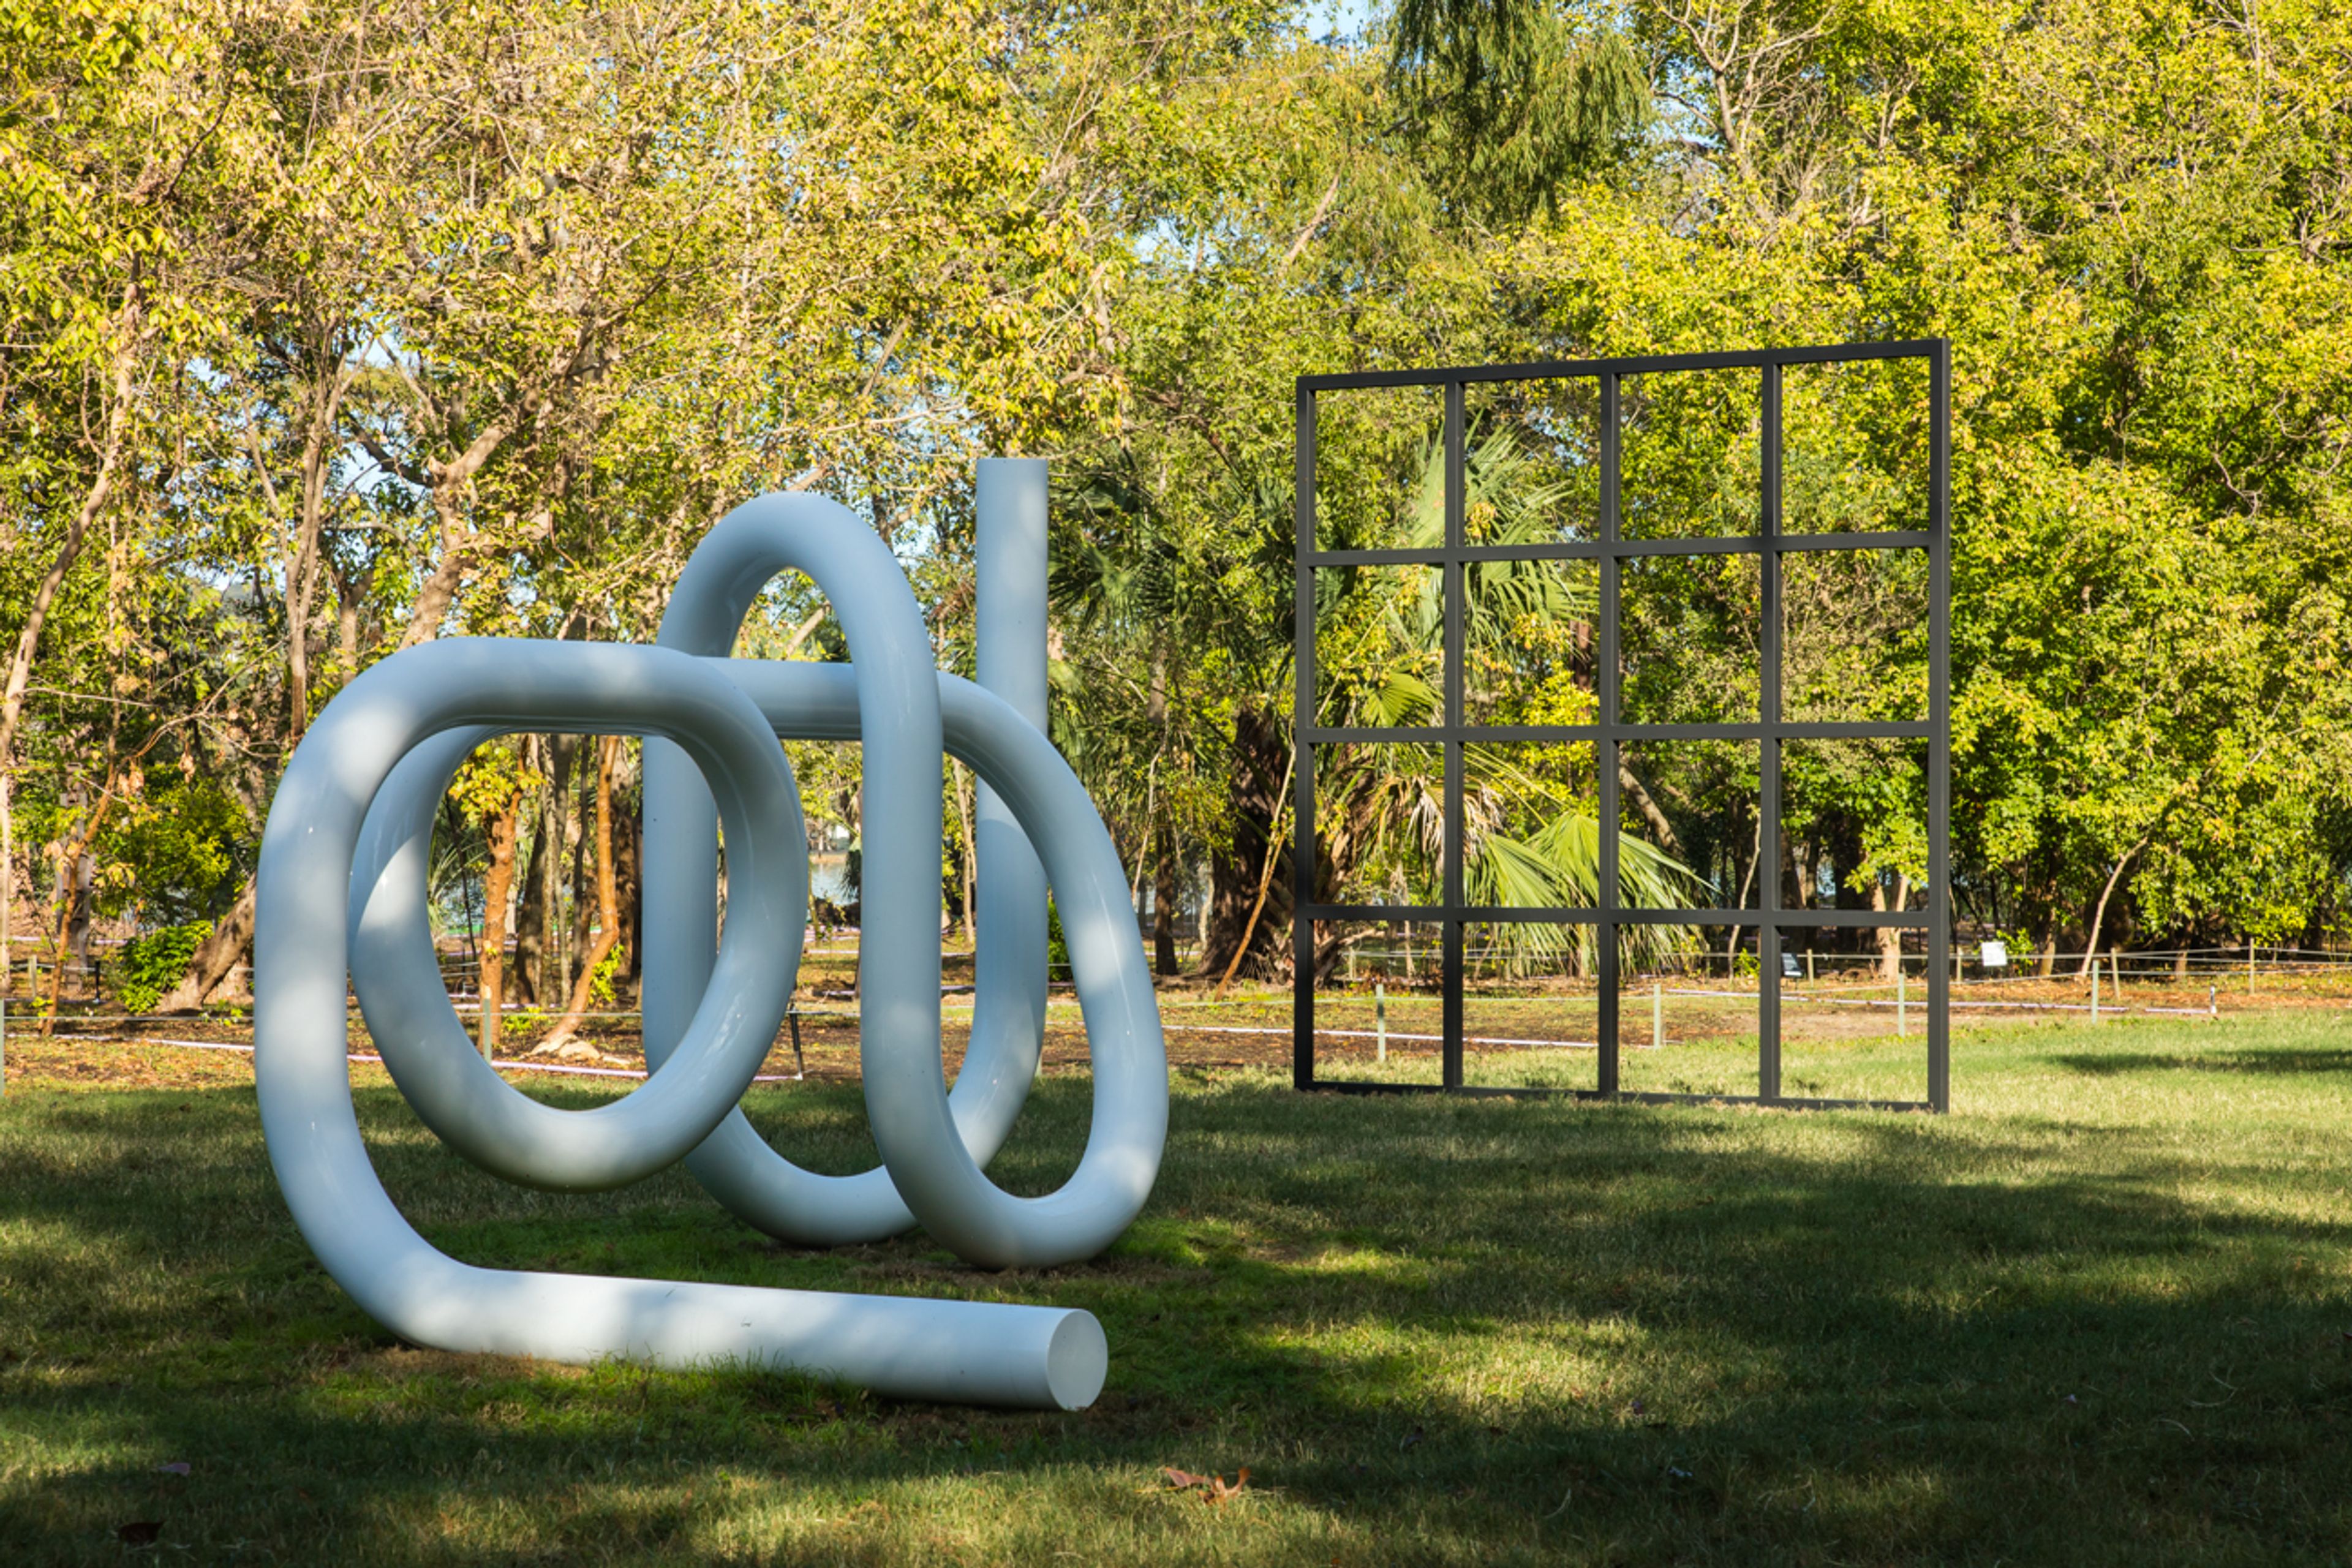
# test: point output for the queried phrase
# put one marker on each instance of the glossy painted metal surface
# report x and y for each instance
(343, 889)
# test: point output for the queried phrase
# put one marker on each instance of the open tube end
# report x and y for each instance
(1076, 1361)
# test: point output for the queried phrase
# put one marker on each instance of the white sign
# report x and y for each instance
(1996, 956)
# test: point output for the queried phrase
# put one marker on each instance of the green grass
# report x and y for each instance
(2102, 1314)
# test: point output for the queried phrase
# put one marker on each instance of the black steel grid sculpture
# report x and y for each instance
(1608, 733)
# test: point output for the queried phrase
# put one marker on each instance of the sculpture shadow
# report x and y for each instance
(2264, 1063)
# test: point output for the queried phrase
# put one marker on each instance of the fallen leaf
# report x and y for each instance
(174, 1468)
(139, 1532)
(1213, 1489)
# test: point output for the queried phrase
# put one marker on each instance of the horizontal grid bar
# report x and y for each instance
(1646, 364)
(1782, 920)
(1856, 730)
(1634, 1097)
(1594, 550)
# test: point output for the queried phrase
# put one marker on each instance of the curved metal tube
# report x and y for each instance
(967, 1351)
(929, 1138)
(706, 610)
(480, 686)
(499, 1127)
(820, 701)
(342, 888)
(397, 977)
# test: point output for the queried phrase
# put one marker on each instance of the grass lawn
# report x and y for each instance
(2101, 1314)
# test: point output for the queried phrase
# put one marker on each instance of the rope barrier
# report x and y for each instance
(508, 1065)
(1374, 1034)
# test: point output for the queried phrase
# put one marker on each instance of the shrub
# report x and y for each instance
(153, 963)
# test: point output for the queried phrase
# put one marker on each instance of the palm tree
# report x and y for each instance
(1530, 838)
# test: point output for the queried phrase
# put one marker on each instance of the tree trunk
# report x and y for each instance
(554, 967)
(1254, 800)
(2099, 915)
(7, 887)
(628, 876)
(214, 956)
(1890, 938)
(580, 931)
(446, 481)
(93, 501)
(350, 595)
(77, 881)
(496, 886)
(318, 448)
(1748, 880)
(77, 912)
(1650, 812)
(531, 924)
(1164, 903)
(37, 614)
(1163, 886)
(608, 903)
(963, 776)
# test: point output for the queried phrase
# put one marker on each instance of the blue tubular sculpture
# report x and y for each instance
(898, 962)
(342, 887)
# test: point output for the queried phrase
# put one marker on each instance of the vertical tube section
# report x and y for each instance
(1457, 585)
(1009, 961)
(1606, 760)
(1768, 798)
(1939, 720)
(1304, 854)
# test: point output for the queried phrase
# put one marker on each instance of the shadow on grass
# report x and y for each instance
(2266, 1062)
(1446, 1331)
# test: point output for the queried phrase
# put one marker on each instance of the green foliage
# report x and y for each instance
(1512, 98)
(146, 968)
(177, 849)
(328, 330)
(601, 985)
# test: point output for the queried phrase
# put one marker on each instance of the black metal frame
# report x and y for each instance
(1610, 549)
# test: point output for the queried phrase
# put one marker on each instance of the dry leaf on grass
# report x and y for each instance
(1213, 1489)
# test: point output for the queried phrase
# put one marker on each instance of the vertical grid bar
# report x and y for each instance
(1939, 725)
(1604, 746)
(1456, 585)
(1767, 797)
(1303, 850)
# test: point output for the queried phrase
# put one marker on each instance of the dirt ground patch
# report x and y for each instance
(1248, 1029)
